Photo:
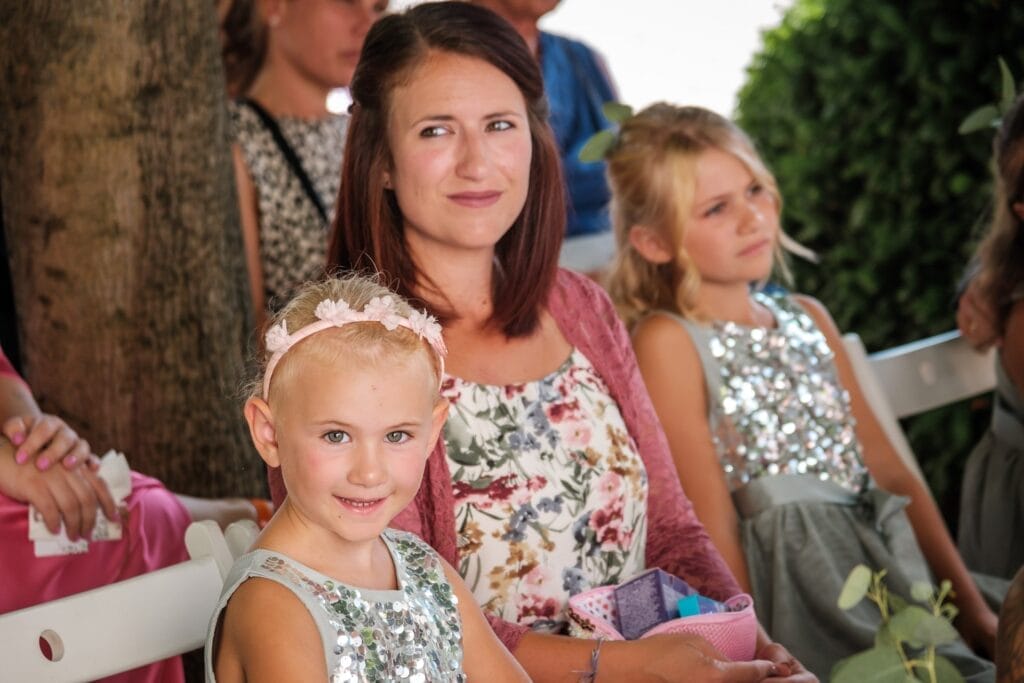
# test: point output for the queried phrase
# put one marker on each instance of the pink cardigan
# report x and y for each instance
(676, 540)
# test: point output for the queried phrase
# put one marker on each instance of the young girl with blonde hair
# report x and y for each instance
(348, 406)
(772, 438)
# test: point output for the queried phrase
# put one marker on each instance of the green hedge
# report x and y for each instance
(855, 105)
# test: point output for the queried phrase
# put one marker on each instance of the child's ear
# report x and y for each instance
(651, 244)
(437, 421)
(262, 430)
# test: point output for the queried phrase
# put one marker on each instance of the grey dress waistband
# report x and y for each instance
(784, 489)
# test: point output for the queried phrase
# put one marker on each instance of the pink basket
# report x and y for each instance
(592, 615)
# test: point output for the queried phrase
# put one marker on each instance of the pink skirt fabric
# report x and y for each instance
(154, 537)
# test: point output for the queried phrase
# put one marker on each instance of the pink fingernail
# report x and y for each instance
(20, 457)
(43, 463)
(18, 438)
(70, 460)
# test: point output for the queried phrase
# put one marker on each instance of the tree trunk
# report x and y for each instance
(122, 230)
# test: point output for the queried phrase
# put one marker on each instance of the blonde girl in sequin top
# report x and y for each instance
(348, 407)
(772, 438)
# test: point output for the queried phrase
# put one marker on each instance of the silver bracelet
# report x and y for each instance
(591, 675)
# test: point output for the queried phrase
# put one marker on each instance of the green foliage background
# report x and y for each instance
(855, 106)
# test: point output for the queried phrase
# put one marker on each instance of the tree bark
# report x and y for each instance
(123, 233)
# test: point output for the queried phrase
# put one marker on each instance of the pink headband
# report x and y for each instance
(338, 313)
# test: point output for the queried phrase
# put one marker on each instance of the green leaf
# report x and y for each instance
(1009, 89)
(979, 119)
(896, 603)
(884, 637)
(597, 146)
(920, 628)
(877, 665)
(945, 672)
(921, 591)
(469, 456)
(616, 112)
(855, 588)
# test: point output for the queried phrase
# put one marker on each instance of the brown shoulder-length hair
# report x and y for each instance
(368, 230)
(243, 45)
(1001, 253)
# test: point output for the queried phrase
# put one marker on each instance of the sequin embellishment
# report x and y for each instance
(415, 638)
(780, 408)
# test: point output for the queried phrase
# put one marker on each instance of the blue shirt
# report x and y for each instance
(577, 86)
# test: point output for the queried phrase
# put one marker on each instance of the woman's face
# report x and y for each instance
(322, 39)
(460, 144)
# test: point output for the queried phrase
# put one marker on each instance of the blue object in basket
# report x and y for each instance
(654, 597)
(695, 604)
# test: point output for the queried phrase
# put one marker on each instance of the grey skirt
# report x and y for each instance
(991, 535)
(801, 537)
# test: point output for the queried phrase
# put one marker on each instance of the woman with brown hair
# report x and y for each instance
(992, 496)
(553, 475)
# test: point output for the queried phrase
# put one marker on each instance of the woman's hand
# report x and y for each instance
(787, 666)
(682, 657)
(46, 439)
(59, 494)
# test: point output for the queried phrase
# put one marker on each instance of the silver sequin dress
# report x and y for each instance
(784, 433)
(412, 634)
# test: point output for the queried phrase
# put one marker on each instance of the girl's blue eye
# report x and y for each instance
(432, 132)
(715, 209)
(501, 125)
(397, 437)
(336, 436)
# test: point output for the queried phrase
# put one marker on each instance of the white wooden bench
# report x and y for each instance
(127, 624)
(917, 377)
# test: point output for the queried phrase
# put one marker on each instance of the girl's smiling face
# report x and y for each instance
(352, 436)
(461, 150)
(733, 224)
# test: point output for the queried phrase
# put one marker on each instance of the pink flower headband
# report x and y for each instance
(338, 314)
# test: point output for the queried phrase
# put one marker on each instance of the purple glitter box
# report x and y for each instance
(648, 599)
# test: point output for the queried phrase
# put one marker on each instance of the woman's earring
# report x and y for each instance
(387, 182)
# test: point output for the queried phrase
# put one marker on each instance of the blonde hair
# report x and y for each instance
(652, 173)
(358, 342)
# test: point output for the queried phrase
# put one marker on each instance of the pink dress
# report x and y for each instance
(153, 537)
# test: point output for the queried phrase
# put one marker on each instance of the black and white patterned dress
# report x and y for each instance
(293, 236)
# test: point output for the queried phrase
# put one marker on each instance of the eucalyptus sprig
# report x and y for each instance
(991, 115)
(907, 638)
(596, 148)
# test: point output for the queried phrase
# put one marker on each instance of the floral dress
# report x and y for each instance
(550, 492)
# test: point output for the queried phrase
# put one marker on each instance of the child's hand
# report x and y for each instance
(59, 494)
(47, 439)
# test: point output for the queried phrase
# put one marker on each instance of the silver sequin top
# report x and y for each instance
(775, 402)
(410, 634)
